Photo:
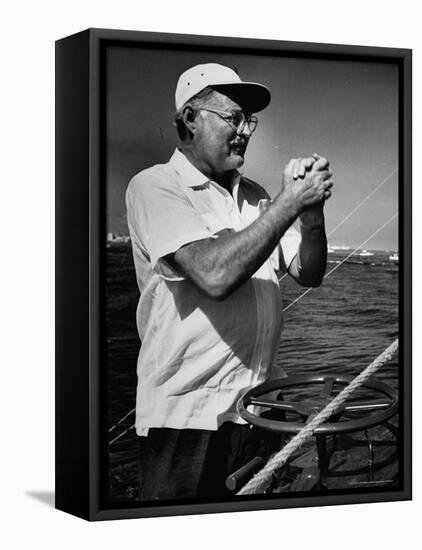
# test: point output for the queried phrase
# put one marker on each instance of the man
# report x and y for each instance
(207, 242)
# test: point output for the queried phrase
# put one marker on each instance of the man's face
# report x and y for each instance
(216, 143)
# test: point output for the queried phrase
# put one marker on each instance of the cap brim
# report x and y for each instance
(253, 97)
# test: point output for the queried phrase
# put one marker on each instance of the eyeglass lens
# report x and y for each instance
(239, 119)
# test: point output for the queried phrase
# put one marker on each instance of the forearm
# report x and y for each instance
(308, 266)
(219, 266)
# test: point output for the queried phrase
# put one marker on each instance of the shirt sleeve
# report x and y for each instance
(162, 219)
(287, 248)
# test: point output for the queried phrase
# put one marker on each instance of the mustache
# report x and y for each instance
(239, 142)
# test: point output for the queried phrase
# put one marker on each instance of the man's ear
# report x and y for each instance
(189, 118)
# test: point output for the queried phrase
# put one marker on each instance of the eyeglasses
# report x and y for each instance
(236, 119)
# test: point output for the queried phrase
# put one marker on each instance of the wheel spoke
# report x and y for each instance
(367, 405)
(273, 404)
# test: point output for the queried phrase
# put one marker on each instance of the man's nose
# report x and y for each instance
(244, 130)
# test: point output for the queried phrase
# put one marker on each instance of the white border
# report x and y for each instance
(27, 305)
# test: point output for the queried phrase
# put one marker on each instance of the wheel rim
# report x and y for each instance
(379, 410)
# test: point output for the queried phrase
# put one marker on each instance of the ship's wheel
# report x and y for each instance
(287, 414)
(374, 411)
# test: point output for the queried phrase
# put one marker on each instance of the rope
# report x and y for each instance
(343, 260)
(256, 484)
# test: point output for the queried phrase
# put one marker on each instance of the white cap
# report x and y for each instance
(254, 97)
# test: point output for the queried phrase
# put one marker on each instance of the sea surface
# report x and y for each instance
(337, 329)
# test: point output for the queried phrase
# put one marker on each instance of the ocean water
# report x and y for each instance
(337, 329)
(342, 326)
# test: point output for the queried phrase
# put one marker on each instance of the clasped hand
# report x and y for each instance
(307, 182)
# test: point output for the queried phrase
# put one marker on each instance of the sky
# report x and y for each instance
(346, 111)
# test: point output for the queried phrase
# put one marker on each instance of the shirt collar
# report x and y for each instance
(190, 175)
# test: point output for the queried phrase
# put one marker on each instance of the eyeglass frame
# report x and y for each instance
(239, 129)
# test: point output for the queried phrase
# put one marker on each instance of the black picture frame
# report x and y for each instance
(80, 239)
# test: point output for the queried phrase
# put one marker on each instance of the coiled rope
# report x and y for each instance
(257, 483)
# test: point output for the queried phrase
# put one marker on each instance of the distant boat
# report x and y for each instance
(342, 247)
(365, 254)
(394, 257)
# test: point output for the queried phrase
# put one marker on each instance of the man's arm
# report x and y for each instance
(219, 266)
(308, 266)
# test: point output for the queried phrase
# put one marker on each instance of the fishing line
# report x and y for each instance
(121, 420)
(384, 181)
(121, 434)
(344, 260)
(363, 202)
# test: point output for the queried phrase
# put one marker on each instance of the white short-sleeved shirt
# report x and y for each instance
(198, 354)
